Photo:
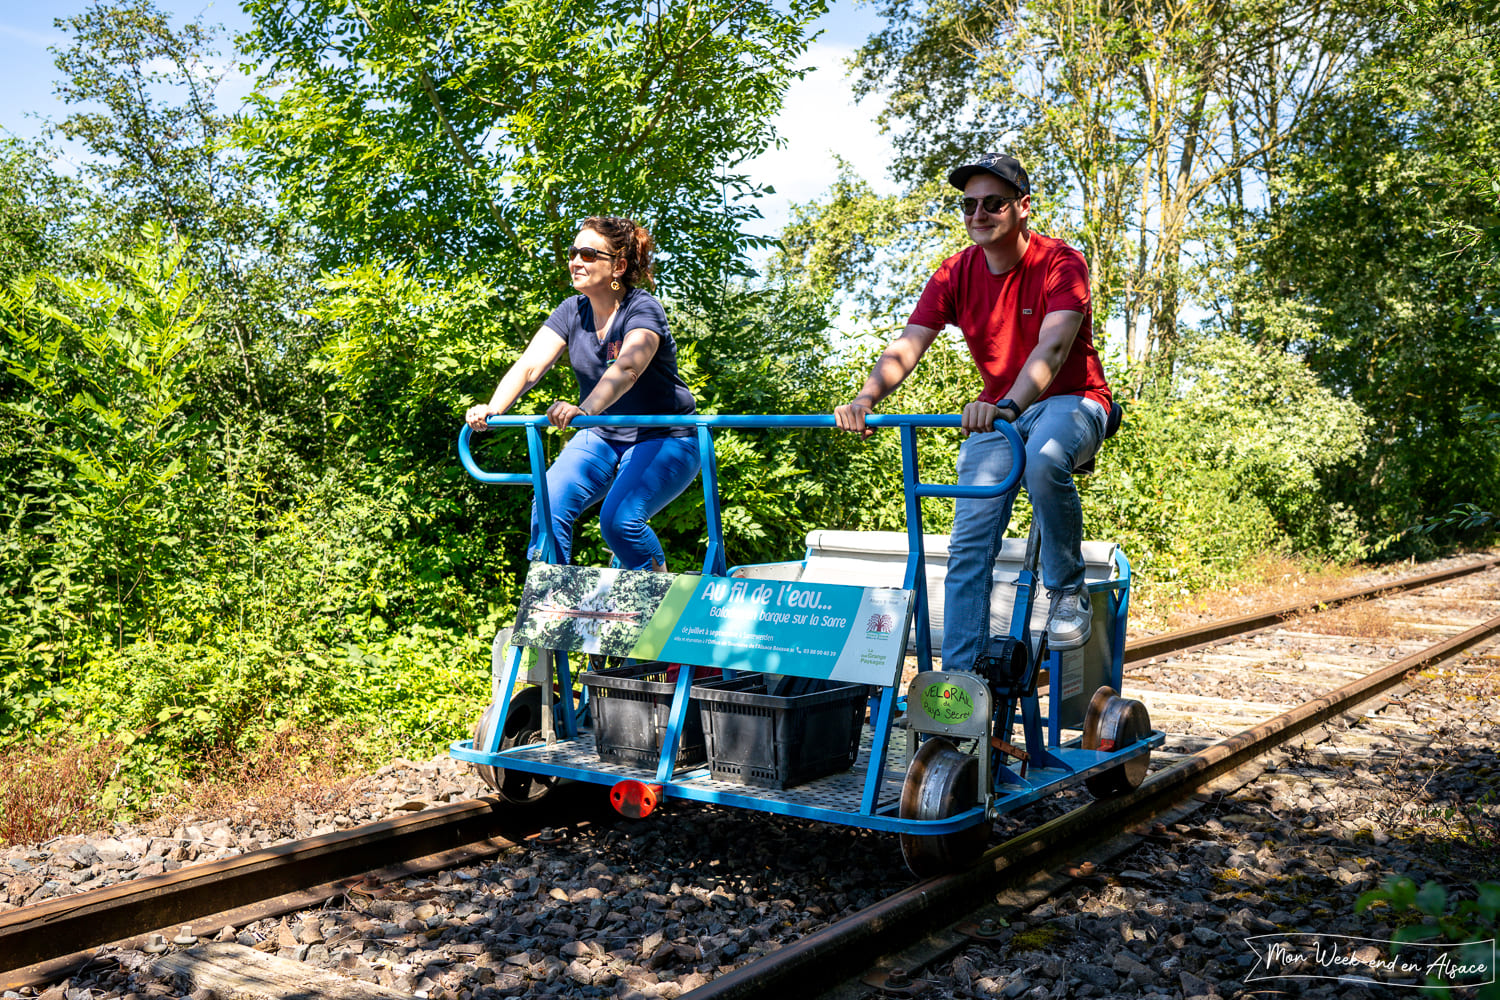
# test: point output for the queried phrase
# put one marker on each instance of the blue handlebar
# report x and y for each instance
(713, 560)
(766, 422)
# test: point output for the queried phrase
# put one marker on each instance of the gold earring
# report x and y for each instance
(615, 284)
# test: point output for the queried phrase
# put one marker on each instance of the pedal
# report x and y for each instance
(1012, 751)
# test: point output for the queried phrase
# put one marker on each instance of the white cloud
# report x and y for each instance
(818, 120)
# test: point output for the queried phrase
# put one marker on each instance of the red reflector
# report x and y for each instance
(634, 799)
(1107, 746)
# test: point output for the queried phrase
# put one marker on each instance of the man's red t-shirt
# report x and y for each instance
(1001, 315)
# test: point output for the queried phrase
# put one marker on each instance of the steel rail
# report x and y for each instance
(850, 946)
(1141, 651)
(58, 930)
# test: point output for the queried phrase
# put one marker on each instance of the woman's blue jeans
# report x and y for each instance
(1060, 432)
(634, 481)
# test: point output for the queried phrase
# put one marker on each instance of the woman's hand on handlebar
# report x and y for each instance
(478, 414)
(561, 413)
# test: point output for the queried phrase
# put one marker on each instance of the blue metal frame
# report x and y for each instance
(1051, 766)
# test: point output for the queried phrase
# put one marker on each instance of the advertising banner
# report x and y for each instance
(842, 633)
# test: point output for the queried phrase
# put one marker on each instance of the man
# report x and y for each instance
(1022, 303)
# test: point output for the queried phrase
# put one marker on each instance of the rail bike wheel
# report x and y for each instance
(523, 724)
(1113, 723)
(941, 782)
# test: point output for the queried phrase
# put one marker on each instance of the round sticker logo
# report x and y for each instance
(947, 703)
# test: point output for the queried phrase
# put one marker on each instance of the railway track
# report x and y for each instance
(40, 944)
(45, 941)
(866, 940)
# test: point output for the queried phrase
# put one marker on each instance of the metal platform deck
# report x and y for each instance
(836, 791)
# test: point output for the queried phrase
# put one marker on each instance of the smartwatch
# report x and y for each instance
(1009, 404)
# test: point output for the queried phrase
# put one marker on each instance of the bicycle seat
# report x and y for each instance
(1111, 424)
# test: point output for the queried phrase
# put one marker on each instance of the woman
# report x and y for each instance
(615, 334)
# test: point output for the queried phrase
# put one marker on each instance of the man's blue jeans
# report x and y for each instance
(1060, 432)
(634, 481)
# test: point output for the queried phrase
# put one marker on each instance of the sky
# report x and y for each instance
(819, 119)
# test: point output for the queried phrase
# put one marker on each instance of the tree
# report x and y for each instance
(34, 205)
(107, 375)
(1370, 244)
(161, 150)
(1138, 121)
(442, 155)
(1474, 27)
(475, 136)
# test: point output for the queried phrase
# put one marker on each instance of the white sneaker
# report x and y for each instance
(1069, 619)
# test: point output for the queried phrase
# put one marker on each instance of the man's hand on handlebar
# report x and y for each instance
(979, 417)
(851, 416)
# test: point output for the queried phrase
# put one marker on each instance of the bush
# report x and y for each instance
(182, 710)
(1221, 460)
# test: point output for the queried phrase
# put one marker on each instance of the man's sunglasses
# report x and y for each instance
(992, 203)
(589, 254)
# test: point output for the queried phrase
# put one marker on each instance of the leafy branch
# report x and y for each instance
(1470, 923)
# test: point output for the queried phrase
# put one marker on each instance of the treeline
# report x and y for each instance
(235, 349)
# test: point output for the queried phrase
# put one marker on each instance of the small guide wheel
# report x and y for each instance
(523, 724)
(941, 782)
(1113, 723)
(1094, 714)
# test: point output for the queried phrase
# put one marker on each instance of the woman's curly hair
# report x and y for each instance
(627, 237)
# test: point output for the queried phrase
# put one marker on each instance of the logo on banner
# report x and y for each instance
(879, 625)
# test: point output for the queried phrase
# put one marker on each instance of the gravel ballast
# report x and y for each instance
(656, 907)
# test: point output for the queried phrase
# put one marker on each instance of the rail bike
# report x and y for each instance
(785, 687)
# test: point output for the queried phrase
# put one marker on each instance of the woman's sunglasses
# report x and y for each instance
(589, 254)
(992, 203)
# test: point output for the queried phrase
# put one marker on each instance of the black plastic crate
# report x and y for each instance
(777, 741)
(630, 707)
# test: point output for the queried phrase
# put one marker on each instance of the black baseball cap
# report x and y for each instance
(1007, 168)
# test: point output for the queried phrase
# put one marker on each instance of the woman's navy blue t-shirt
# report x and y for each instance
(659, 390)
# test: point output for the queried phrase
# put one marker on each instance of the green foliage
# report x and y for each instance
(182, 706)
(288, 619)
(198, 608)
(156, 158)
(1465, 516)
(159, 151)
(1459, 920)
(482, 134)
(108, 373)
(33, 199)
(753, 351)
(443, 162)
(1437, 25)
(876, 251)
(1141, 126)
(1402, 321)
(1219, 461)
